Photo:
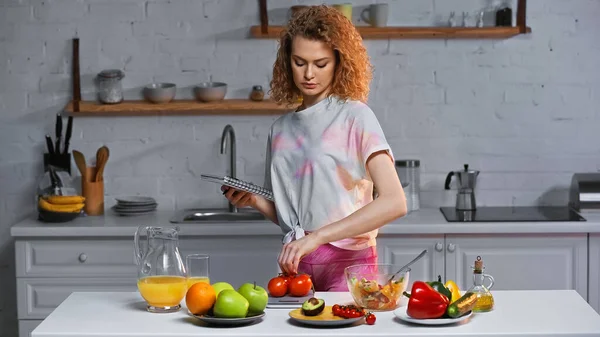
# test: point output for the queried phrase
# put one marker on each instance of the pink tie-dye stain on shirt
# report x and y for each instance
(306, 169)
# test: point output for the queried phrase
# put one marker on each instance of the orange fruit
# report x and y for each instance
(200, 298)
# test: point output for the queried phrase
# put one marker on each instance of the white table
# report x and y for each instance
(517, 313)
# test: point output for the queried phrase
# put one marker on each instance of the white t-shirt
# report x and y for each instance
(316, 165)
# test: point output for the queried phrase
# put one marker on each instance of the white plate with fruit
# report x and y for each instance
(315, 312)
(221, 304)
(402, 315)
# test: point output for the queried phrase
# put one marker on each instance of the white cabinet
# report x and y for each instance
(26, 327)
(594, 272)
(517, 262)
(399, 250)
(520, 261)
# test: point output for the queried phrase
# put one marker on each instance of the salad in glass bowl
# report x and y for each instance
(368, 284)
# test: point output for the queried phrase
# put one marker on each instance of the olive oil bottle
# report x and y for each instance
(485, 300)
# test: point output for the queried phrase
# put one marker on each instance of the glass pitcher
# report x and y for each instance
(161, 271)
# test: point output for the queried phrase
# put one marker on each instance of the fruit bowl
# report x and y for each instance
(368, 284)
(56, 217)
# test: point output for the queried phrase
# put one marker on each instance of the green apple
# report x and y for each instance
(230, 304)
(257, 297)
(220, 286)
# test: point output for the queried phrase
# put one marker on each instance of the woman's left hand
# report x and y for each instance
(292, 252)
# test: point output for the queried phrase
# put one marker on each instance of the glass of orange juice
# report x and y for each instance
(197, 269)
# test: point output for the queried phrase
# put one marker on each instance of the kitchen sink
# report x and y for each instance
(215, 215)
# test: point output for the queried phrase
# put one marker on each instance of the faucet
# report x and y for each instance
(228, 130)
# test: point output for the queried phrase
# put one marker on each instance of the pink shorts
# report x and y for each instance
(326, 265)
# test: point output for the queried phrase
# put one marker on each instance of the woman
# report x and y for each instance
(324, 159)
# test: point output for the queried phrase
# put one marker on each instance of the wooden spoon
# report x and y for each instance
(101, 159)
(80, 161)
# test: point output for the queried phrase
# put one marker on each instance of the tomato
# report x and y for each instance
(300, 285)
(370, 319)
(335, 309)
(287, 278)
(277, 287)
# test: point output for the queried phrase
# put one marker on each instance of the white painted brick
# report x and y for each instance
(195, 64)
(106, 13)
(184, 47)
(377, 47)
(201, 200)
(16, 14)
(415, 46)
(106, 30)
(185, 186)
(402, 94)
(181, 9)
(519, 94)
(433, 60)
(242, 13)
(462, 76)
(131, 186)
(161, 28)
(52, 83)
(483, 95)
(426, 95)
(11, 151)
(12, 105)
(573, 7)
(65, 11)
(519, 75)
(410, 13)
(479, 121)
(127, 49)
(406, 76)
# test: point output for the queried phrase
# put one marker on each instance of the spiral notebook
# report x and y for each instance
(240, 185)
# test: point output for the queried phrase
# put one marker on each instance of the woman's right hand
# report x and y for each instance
(239, 198)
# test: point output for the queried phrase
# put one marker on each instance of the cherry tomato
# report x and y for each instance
(335, 309)
(370, 319)
(300, 285)
(277, 287)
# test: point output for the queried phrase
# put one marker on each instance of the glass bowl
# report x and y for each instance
(367, 283)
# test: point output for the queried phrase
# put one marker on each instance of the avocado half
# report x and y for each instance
(313, 306)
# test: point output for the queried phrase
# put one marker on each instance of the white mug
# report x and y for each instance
(376, 15)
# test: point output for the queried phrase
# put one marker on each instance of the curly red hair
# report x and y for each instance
(353, 71)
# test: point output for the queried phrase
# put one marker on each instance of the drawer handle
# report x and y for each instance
(82, 257)
(451, 247)
(439, 246)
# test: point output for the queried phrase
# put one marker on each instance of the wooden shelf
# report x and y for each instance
(179, 107)
(273, 32)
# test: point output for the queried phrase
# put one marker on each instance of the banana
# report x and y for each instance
(73, 208)
(65, 199)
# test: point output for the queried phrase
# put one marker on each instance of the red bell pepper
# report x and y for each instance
(425, 302)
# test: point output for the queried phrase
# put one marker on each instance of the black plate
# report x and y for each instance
(228, 321)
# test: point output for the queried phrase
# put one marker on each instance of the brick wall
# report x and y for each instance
(522, 110)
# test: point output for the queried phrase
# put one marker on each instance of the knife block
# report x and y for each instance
(59, 160)
(93, 192)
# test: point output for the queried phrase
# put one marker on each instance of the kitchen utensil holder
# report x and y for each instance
(59, 160)
(93, 192)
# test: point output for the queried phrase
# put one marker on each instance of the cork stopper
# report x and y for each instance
(478, 266)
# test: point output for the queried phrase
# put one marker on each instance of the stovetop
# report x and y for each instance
(512, 214)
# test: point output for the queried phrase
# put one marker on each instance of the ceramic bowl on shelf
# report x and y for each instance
(210, 91)
(368, 284)
(160, 92)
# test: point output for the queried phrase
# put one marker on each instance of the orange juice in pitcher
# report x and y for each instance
(162, 275)
(163, 291)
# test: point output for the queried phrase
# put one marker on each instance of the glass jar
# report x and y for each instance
(409, 174)
(257, 93)
(110, 89)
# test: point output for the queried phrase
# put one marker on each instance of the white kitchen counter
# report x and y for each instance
(424, 221)
(516, 313)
